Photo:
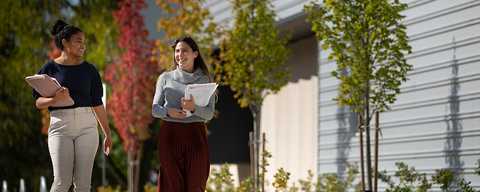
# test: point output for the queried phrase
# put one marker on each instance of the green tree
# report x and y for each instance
(254, 58)
(23, 43)
(369, 43)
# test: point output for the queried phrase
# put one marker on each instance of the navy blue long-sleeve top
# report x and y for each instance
(83, 82)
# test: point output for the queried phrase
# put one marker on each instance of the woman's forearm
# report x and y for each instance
(206, 112)
(158, 110)
(44, 102)
(102, 119)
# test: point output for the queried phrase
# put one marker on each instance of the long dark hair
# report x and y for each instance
(62, 30)
(198, 62)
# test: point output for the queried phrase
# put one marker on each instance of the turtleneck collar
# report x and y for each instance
(186, 77)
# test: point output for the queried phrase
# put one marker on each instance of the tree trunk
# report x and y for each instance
(131, 168)
(367, 130)
(377, 130)
(252, 154)
(263, 165)
(134, 157)
(362, 158)
(256, 113)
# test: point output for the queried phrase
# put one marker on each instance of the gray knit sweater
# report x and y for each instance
(171, 88)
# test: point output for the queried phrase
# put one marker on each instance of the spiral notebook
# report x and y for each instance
(47, 86)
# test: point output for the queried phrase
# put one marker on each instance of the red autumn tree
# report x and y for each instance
(132, 80)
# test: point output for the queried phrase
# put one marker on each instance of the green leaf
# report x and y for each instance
(368, 42)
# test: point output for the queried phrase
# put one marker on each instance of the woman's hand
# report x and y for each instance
(176, 113)
(107, 143)
(62, 94)
(188, 104)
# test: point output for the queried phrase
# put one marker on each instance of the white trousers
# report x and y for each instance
(72, 142)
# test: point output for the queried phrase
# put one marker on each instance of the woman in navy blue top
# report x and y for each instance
(81, 81)
(73, 135)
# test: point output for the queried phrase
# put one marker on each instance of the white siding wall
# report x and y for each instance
(435, 122)
(289, 118)
(222, 9)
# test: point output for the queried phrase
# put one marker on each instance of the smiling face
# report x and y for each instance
(185, 56)
(75, 46)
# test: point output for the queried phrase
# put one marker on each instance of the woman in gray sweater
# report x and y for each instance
(182, 139)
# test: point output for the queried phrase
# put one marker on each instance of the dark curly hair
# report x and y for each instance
(62, 30)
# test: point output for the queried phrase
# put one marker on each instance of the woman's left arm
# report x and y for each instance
(99, 109)
(101, 115)
(207, 111)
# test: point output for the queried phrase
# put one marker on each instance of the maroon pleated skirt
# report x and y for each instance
(183, 154)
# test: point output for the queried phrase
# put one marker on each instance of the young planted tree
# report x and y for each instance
(184, 18)
(132, 81)
(369, 43)
(254, 58)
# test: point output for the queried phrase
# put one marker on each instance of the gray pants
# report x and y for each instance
(72, 142)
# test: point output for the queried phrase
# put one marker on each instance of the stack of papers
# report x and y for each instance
(201, 94)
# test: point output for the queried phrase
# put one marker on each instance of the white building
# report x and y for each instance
(434, 124)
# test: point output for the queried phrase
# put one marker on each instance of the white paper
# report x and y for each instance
(201, 94)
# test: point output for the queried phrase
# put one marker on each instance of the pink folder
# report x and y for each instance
(47, 87)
